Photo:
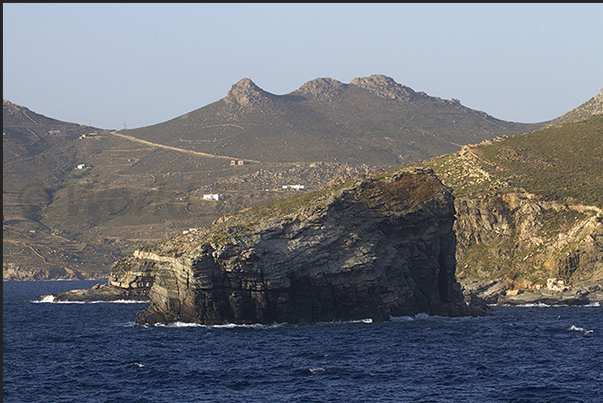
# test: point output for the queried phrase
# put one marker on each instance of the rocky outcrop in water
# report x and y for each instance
(370, 248)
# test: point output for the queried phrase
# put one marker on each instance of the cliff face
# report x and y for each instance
(530, 214)
(517, 242)
(372, 248)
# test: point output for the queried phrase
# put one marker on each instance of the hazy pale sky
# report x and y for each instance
(107, 65)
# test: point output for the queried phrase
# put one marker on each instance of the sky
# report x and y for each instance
(113, 65)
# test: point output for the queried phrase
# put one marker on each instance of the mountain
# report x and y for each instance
(77, 198)
(372, 120)
(529, 213)
(39, 154)
(593, 106)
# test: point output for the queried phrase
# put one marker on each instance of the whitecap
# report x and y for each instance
(573, 328)
(315, 371)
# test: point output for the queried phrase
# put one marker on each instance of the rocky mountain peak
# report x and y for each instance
(593, 106)
(384, 87)
(246, 92)
(322, 88)
(11, 108)
(599, 100)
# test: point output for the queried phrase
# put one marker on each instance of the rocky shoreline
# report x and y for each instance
(499, 293)
(494, 293)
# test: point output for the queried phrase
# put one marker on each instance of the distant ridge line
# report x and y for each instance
(131, 138)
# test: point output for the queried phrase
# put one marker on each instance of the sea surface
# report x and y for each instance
(93, 352)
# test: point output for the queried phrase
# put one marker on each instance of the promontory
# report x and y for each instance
(364, 248)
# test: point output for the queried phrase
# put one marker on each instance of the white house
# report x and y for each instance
(294, 187)
(213, 197)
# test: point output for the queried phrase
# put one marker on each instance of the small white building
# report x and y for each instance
(81, 166)
(213, 197)
(294, 187)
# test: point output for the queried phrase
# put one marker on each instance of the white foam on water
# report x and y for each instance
(223, 326)
(368, 320)
(542, 305)
(537, 305)
(315, 371)
(183, 324)
(401, 318)
(573, 328)
(122, 301)
(345, 322)
(50, 298)
(419, 316)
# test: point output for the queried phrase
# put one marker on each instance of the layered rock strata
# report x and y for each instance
(517, 248)
(370, 248)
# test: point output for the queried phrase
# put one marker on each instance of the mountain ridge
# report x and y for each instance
(371, 120)
(130, 193)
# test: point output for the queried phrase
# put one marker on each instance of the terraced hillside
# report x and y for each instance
(60, 221)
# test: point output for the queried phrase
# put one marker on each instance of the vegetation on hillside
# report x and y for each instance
(528, 206)
(562, 163)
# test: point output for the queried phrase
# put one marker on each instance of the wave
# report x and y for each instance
(543, 305)
(345, 322)
(419, 316)
(223, 326)
(257, 325)
(50, 299)
(573, 328)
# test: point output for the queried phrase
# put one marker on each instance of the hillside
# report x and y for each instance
(529, 209)
(60, 221)
(141, 186)
(593, 106)
(372, 120)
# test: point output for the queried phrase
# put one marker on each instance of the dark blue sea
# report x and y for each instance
(74, 352)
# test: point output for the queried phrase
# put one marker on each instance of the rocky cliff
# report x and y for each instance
(367, 248)
(530, 215)
(517, 248)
